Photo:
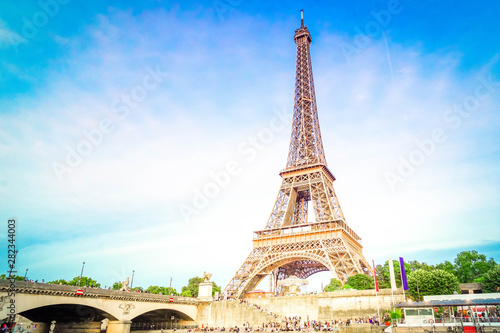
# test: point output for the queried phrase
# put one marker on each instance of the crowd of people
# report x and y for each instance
(287, 324)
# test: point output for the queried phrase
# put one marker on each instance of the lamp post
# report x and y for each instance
(81, 274)
(132, 283)
(25, 274)
(170, 286)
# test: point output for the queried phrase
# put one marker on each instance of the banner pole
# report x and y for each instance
(376, 290)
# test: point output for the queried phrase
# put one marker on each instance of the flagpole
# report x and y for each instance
(376, 290)
(393, 280)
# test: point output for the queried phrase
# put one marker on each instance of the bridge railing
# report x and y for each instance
(45, 288)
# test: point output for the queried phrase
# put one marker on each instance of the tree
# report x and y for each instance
(436, 282)
(192, 286)
(384, 277)
(16, 277)
(60, 281)
(491, 280)
(470, 265)
(85, 281)
(117, 286)
(215, 288)
(413, 265)
(361, 282)
(162, 290)
(448, 267)
(346, 286)
(334, 284)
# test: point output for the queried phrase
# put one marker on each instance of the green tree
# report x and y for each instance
(447, 266)
(491, 280)
(16, 277)
(215, 288)
(435, 282)
(334, 284)
(192, 286)
(413, 265)
(170, 291)
(162, 290)
(361, 282)
(117, 286)
(384, 277)
(154, 290)
(60, 281)
(470, 265)
(85, 281)
(346, 286)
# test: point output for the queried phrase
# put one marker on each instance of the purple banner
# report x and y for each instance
(403, 273)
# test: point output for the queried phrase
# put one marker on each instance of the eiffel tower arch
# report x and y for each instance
(290, 244)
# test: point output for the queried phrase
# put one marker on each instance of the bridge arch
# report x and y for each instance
(317, 262)
(155, 312)
(65, 312)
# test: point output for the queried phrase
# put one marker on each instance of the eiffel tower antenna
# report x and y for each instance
(290, 244)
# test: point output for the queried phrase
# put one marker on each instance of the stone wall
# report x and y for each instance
(356, 303)
(234, 313)
(323, 307)
(362, 328)
(290, 306)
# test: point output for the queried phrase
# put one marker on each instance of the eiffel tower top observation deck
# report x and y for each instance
(292, 244)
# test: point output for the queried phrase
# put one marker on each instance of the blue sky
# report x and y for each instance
(158, 97)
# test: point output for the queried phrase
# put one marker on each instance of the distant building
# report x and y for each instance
(471, 288)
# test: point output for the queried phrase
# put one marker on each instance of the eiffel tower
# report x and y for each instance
(290, 245)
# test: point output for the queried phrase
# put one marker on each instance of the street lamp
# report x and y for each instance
(170, 286)
(132, 283)
(81, 274)
(25, 274)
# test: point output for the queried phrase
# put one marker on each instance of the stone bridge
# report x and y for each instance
(44, 303)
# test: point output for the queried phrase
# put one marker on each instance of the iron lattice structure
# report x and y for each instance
(290, 244)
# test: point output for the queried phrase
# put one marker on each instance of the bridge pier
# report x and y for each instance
(119, 326)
